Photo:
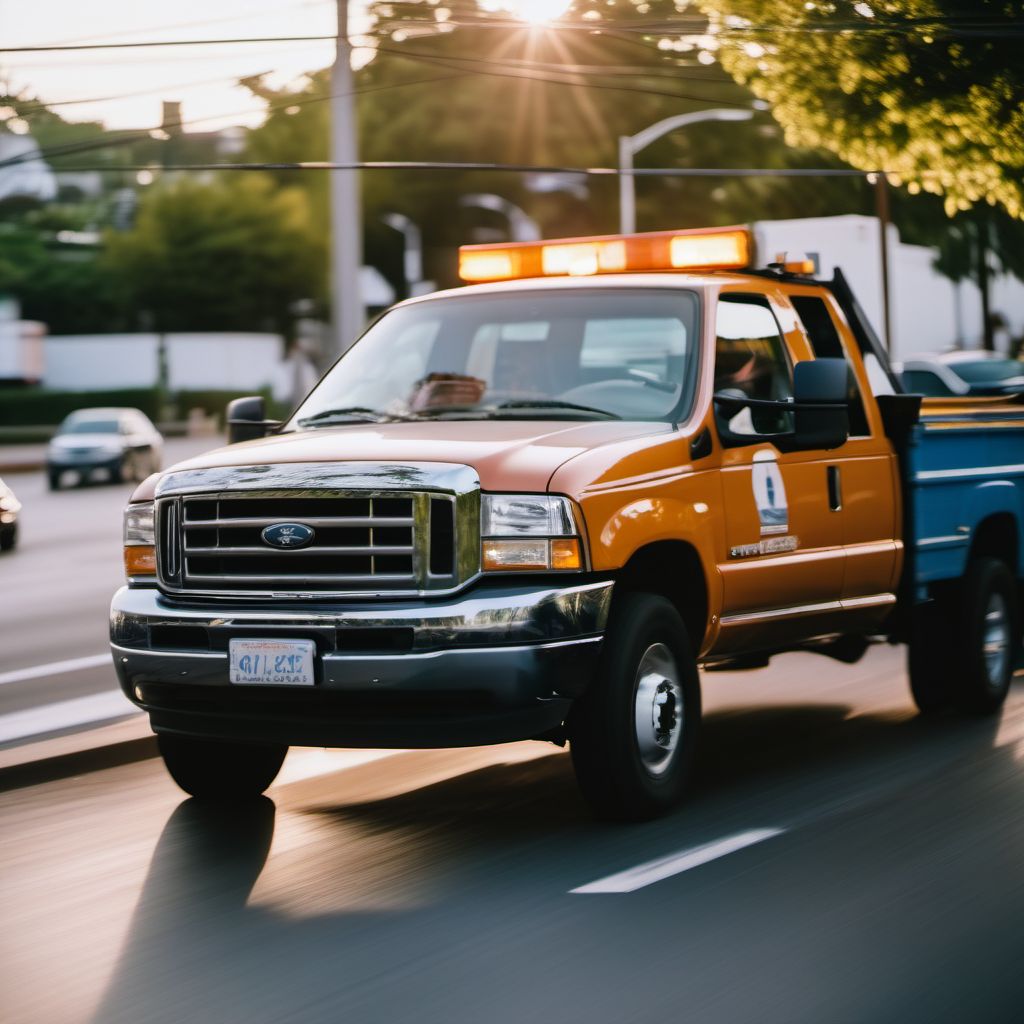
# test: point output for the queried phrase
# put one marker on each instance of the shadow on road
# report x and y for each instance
(489, 856)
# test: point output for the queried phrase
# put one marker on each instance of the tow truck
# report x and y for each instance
(532, 507)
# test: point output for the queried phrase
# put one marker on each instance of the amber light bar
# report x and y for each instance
(700, 249)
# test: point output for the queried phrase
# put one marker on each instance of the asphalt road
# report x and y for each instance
(55, 587)
(436, 886)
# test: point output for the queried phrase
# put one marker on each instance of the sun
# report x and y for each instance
(534, 12)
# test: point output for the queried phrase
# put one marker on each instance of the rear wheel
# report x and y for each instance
(990, 626)
(964, 643)
(220, 769)
(633, 734)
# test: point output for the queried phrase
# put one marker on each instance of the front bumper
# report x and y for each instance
(494, 665)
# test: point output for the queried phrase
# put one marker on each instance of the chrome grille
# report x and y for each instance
(364, 543)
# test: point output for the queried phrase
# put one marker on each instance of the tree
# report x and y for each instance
(929, 90)
(220, 255)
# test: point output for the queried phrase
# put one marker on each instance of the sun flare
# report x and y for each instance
(534, 12)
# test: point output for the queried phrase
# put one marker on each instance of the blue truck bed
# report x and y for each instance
(964, 477)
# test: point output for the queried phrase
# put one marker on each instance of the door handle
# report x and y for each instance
(835, 490)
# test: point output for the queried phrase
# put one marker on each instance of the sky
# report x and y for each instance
(125, 87)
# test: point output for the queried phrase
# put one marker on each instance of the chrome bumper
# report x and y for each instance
(494, 665)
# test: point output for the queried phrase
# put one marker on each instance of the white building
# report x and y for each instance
(928, 312)
(31, 178)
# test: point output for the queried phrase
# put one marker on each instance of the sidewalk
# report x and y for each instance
(22, 458)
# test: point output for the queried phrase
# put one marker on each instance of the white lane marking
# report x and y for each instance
(664, 867)
(308, 764)
(66, 714)
(55, 668)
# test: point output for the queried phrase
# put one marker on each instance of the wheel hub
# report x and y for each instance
(997, 638)
(659, 709)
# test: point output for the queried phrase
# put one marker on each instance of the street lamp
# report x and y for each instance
(630, 145)
(522, 227)
(412, 254)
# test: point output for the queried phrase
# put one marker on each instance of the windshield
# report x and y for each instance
(989, 371)
(90, 427)
(614, 354)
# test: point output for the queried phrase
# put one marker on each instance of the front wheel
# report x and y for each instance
(219, 769)
(633, 734)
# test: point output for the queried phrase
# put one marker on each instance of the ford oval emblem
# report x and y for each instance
(288, 535)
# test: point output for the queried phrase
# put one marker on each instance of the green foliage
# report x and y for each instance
(69, 291)
(220, 255)
(38, 406)
(29, 406)
(890, 84)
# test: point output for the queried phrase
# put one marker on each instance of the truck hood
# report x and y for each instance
(508, 455)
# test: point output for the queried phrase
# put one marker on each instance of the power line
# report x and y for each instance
(433, 165)
(950, 24)
(141, 135)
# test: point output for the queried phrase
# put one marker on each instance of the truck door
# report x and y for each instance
(863, 476)
(782, 565)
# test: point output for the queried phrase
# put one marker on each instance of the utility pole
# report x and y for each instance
(346, 219)
(884, 219)
(981, 254)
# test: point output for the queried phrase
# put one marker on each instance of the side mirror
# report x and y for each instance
(246, 419)
(821, 411)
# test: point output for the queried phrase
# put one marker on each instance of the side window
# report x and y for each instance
(751, 358)
(826, 343)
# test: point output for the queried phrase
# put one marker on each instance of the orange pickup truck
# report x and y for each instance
(531, 507)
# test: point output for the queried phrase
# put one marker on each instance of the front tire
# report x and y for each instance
(218, 769)
(633, 733)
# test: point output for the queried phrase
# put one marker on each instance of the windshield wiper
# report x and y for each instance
(351, 414)
(554, 403)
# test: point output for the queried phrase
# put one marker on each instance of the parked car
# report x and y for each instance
(963, 375)
(123, 444)
(9, 509)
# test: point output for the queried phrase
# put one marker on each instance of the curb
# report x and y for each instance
(92, 750)
(10, 468)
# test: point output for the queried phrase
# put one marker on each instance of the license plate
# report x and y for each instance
(272, 662)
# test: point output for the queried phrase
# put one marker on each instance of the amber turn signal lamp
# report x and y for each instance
(565, 554)
(140, 560)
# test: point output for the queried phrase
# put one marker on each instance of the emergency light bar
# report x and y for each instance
(702, 249)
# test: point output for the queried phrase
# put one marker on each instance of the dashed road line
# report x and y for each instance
(665, 867)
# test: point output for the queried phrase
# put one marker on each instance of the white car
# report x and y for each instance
(121, 444)
(966, 374)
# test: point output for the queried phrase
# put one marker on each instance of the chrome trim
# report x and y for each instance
(420, 483)
(927, 475)
(319, 476)
(794, 611)
(221, 657)
(951, 541)
(509, 615)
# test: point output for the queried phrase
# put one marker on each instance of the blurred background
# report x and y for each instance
(167, 243)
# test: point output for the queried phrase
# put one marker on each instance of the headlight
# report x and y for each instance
(528, 531)
(139, 540)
